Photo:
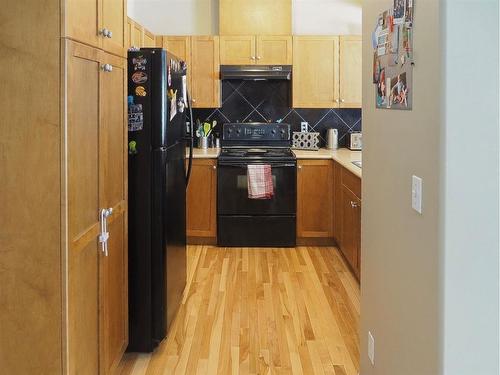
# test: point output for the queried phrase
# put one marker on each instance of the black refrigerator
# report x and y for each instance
(157, 181)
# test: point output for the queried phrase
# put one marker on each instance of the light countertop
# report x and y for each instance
(343, 156)
(208, 153)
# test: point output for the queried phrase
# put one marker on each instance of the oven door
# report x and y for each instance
(232, 190)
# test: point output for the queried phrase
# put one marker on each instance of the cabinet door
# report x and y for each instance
(149, 39)
(205, 78)
(315, 71)
(114, 19)
(180, 46)
(274, 50)
(315, 199)
(136, 35)
(350, 72)
(201, 199)
(113, 175)
(83, 206)
(351, 228)
(263, 17)
(82, 21)
(237, 50)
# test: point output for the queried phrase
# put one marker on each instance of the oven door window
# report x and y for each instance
(232, 192)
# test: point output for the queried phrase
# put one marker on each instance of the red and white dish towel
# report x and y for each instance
(260, 181)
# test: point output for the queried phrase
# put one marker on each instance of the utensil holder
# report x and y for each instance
(203, 143)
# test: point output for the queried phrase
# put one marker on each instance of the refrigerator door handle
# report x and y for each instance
(191, 138)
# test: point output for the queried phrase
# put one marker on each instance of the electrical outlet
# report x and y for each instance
(371, 348)
(304, 126)
(416, 194)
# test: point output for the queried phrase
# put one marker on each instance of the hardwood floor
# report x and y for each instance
(261, 311)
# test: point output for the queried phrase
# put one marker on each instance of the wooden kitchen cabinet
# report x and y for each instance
(205, 76)
(347, 216)
(180, 46)
(258, 17)
(315, 199)
(201, 202)
(97, 175)
(149, 39)
(327, 72)
(99, 23)
(315, 71)
(258, 50)
(135, 34)
(350, 71)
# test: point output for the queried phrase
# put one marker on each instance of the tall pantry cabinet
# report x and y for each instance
(63, 160)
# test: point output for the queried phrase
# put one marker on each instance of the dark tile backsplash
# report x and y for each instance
(270, 101)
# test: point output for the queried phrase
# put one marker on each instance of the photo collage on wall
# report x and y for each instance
(392, 42)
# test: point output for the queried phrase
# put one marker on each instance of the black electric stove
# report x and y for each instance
(246, 222)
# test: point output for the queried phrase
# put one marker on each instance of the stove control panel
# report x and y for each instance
(249, 132)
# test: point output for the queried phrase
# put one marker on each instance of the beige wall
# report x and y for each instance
(400, 248)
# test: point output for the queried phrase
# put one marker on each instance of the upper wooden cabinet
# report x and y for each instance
(327, 72)
(149, 39)
(99, 23)
(180, 46)
(260, 50)
(274, 50)
(258, 17)
(350, 71)
(315, 71)
(205, 77)
(315, 199)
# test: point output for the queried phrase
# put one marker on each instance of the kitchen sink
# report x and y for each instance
(357, 163)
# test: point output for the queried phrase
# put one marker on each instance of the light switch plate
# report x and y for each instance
(416, 194)
(303, 126)
(371, 348)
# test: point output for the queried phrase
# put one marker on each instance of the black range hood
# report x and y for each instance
(256, 72)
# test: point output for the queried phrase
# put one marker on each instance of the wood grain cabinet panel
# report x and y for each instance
(201, 200)
(259, 17)
(180, 46)
(350, 72)
(89, 21)
(149, 39)
(274, 50)
(205, 76)
(351, 228)
(113, 194)
(97, 175)
(315, 199)
(315, 71)
(237, 50)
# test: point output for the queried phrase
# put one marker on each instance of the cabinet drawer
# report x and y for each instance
(350, 181)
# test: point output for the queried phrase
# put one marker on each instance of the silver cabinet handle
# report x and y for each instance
(336, 100)
(105, 33)
(354, 204)
(342, 100)
(258, 57)
(252, 58)
(104, 235)
(107, 67)
(193, 100)
(110, 34)
(214, 167)
(299, 167)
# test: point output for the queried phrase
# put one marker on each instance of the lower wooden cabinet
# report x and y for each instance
(315, 199)
(347, 216)
(201, 202)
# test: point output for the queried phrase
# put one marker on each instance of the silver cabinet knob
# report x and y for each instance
(193, 100)
(336, 100)
(252, 58)
(110, 34)
(354, 204)
(299, 167)
(342, 100)
(258, 57)
(214, 167)
(107, 67)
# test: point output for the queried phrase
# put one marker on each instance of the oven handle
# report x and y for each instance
(244, 165)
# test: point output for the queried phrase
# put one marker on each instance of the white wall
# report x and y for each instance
(176, 17)
(326, 17)
(191, 17)
(470, 201)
